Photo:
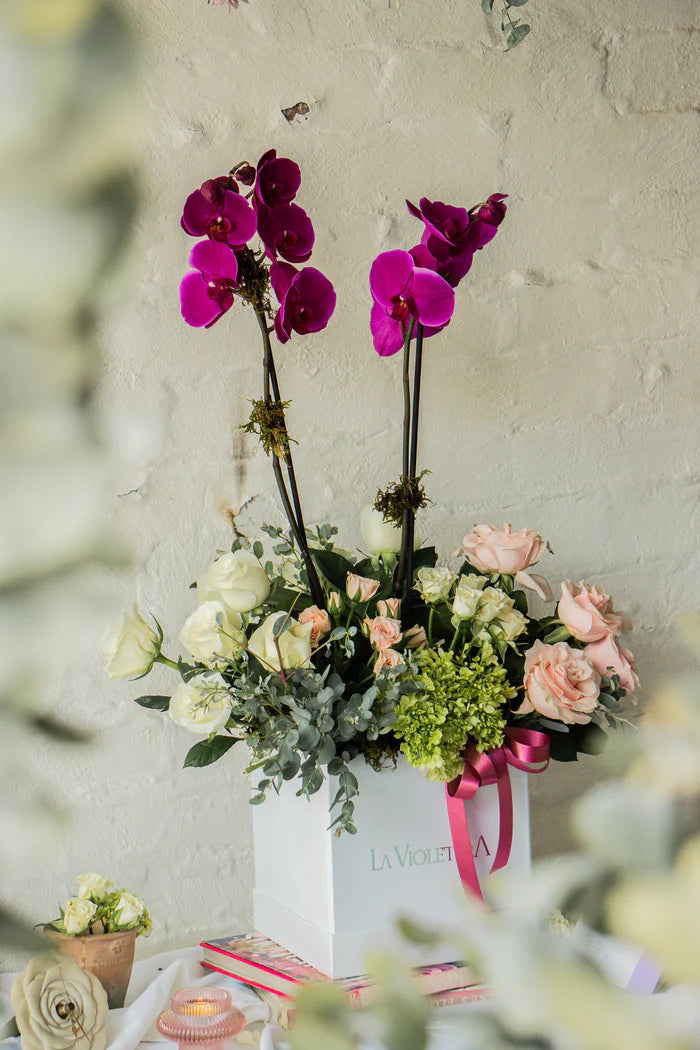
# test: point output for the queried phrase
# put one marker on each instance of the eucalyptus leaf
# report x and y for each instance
(516, 36)
(487, 6)
(153, 703)
(205, 752)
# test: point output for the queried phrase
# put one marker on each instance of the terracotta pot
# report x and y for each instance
(109, 956)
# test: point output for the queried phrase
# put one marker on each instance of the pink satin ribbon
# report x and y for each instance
(524, 749)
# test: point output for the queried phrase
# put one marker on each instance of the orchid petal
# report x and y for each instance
(386, 331)
(389, 275)
(216, 259)
(433, 297)
(198, 308)
(281, 276)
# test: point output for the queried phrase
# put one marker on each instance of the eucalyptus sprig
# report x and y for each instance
(515, 30)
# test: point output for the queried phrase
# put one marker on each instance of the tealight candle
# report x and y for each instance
(201, 1017)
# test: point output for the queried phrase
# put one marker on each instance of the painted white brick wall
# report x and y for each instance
(562, 397)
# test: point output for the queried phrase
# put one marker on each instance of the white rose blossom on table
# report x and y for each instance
(99, 907)
(314, 654)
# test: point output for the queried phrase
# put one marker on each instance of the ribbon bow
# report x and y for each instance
(524, 749)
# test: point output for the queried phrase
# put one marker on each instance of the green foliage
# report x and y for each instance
(514, 30)
(455, 703)
(153, 703)
(204, 752)
(400, 496)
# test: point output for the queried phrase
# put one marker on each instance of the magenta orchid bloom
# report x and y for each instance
(307, 300)
(286, 231)
(207, 293)
(218, 211)
(277, 181)
(401, 291)
(487, 220)
(452, 236)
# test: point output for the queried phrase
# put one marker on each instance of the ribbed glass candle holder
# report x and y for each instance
(201, 1017)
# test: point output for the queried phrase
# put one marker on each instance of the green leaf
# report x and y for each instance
(280, 625)
(487, 6)
(207, 751)
(516, 3)
(333, 566)
(153, 703)
(516, 36)
(425, 557)
(560, 634)
(258, 549)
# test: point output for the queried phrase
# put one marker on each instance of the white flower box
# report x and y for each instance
(330, 900)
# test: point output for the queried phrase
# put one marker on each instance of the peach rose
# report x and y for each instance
(360, 588)
(387, 658)
(320, 622)
(416, 638)
(390, 607)
(335, 602)
(383, 632)
(490, 549)
(560, 683)
(588, 612)
(609, 658)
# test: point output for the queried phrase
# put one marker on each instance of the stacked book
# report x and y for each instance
(261, 962)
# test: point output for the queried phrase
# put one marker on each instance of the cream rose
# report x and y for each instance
(294, 643)
(560, 683)
(468, 596)
(609, 657)
(588, 612)
(128, 911)
(238, 580)
(383, 632)
(201, 705)
(415, 637)
(93, 886)
(213, 632)
(387, 658)
(78, 914)
(509, 624)
(360, 588)
(434, 585)
(380, 536)
(320, 623)
(131, 646)
(59, 1006)
(493, 549)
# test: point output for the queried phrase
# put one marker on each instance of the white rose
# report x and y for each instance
(212, 632)
(294, 643)
(511, 623)
(201, 705)
(238, 580)
(131, 646)
(93, 886)
(494, 605)
(128, 911)
(381, 537)
(77, 915)
(468, 595)
(435, 584)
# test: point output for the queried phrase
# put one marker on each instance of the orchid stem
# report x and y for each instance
(412, 467)
(292, 512)
(401, 571)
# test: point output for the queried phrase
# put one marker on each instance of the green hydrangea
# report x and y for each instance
(457, 703)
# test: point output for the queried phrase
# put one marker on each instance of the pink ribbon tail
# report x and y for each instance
(525, 749)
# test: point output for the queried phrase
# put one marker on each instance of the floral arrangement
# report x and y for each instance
(313, 655)
(99, 907)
